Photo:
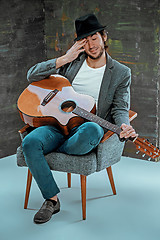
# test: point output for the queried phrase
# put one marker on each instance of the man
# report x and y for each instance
(93, 72)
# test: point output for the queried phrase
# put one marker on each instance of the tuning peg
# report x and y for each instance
(156, 153)
(137, 152)
(143, 155)
(149, 159)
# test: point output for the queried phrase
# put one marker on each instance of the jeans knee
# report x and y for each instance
(94, 129)
(94, 132)
(30, 144)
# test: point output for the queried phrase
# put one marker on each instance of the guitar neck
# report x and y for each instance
(94, 118)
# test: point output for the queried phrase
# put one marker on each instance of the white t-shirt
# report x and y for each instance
(88, 80)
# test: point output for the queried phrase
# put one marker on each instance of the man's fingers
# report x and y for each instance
(127, 131)
(81, 50)
(82, 40)
(75, 50)
(123, 126)
(80, 43)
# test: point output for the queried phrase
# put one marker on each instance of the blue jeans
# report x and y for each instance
(46, 139)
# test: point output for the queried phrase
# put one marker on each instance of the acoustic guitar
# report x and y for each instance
(53, 101)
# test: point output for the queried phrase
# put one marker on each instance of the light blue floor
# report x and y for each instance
(133, 214)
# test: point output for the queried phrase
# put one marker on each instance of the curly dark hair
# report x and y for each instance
(104, 33)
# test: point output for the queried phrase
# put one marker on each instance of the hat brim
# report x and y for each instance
(89, 33)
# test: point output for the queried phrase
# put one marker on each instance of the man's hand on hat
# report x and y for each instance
(71, 54)
(75, 50)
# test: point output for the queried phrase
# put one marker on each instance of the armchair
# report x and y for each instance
(107, 153)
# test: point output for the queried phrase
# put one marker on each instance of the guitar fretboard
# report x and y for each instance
(94, 118)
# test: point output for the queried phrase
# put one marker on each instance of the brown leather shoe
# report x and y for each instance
(46, 211)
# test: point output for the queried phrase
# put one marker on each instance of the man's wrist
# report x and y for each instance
(61, 61)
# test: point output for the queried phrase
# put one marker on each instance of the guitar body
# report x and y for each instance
(51, 101)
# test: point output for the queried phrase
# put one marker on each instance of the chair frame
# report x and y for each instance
(83, 178)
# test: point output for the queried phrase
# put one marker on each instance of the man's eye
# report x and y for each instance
(94, 38)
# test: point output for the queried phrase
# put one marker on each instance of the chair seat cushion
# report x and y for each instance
(84, 165)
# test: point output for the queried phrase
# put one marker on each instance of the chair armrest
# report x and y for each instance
(25, 130)
(22, 130)
(132, 115)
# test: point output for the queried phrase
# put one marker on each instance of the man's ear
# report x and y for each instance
(105, 37)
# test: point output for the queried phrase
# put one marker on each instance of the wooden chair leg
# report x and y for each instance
(110, 175)
(69, 179)
(28, 187)
(83, 194)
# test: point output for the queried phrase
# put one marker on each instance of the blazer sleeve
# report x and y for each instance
(121, 100)
(42, 70)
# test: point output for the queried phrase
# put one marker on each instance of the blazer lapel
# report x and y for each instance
(105, 84)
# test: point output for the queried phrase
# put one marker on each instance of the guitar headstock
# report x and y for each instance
(147, 148)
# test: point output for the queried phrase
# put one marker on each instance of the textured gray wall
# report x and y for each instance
(21, 45)
(133, 27)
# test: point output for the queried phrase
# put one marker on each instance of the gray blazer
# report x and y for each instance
(114, 97)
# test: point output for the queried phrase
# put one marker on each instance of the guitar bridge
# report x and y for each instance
(49, 97)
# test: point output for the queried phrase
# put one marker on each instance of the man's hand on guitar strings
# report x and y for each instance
(128, 132)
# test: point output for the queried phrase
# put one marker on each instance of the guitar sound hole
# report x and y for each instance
(68, 106)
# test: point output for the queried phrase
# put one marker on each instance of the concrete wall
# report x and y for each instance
(21, 45)
(134, 40)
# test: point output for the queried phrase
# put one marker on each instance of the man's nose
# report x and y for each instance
(90, 43)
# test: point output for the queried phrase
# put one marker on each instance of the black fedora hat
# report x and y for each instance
(87, 25)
